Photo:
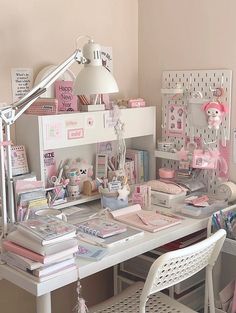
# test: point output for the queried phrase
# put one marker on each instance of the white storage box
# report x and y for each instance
(165, 199)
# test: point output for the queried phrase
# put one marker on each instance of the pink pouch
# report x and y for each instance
(204, 159)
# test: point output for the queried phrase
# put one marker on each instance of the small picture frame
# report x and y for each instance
(176, 117)
(19, 160)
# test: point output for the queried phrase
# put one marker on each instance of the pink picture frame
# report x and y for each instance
(176, 119)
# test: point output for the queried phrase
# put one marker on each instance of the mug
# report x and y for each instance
(52, 212)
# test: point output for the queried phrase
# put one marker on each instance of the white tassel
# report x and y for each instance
(80, 307)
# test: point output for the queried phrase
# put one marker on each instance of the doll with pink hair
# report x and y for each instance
(215, 112)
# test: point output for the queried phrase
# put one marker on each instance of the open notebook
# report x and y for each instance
(151, 221)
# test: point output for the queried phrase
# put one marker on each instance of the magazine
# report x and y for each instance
(47, 229)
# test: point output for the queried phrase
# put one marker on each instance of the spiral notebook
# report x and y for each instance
(101, 227)
(151, 221)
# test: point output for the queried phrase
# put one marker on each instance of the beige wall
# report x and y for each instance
(185, 35)
(37, 33)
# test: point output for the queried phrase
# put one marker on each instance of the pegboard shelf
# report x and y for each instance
(172, 91)
(184, 120)
(166, 155)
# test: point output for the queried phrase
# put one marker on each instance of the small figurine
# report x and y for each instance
(215, 112)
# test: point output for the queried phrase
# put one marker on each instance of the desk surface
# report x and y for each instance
(115, 255)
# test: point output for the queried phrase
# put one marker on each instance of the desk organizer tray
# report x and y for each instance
(200, 212)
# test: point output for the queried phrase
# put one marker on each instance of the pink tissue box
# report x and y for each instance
(43, 106)
(136, 103)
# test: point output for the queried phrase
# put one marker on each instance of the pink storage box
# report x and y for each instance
(136, 103)
(43, 106)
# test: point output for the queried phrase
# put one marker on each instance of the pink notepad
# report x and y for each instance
(147, 220)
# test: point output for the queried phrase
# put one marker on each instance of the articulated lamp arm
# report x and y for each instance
(8, 116)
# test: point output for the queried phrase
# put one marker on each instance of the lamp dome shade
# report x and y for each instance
(94, 80)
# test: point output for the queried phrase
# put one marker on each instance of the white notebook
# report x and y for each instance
(130, 234)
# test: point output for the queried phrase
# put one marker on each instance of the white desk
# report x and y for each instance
(116, 255)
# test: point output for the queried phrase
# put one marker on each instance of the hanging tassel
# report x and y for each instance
(80, 306)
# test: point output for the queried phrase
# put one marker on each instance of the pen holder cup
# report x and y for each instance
(112, 202)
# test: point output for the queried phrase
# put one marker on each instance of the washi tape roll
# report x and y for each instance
(227, 191)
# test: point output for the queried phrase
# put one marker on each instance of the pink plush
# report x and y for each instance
(215, 112)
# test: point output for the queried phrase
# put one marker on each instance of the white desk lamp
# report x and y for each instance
(92, 79)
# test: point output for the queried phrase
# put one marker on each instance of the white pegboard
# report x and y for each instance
(192, 82)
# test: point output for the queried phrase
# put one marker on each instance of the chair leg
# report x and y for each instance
(142, 307)
(206, 299)
(171, 292)
(210, 289)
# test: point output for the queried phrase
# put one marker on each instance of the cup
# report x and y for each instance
(52, 212)
(73, 191)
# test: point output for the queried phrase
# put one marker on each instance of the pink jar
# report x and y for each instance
(165, 172)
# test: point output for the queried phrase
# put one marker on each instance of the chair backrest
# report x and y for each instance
(176, 266)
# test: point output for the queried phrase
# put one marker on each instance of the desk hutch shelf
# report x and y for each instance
(75, 135)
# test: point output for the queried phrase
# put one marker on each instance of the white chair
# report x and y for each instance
(168, 270)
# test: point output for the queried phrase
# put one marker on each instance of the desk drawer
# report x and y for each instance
(140, 265)
(123, 283)
(194, 299)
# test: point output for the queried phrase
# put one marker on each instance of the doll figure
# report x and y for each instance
(215, 112)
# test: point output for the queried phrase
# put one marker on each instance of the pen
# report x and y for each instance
(143, 220)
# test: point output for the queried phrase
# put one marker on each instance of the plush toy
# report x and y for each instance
(77, 171)
(215, 112)
(85, 172)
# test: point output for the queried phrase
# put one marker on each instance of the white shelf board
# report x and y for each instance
(166, 155)
(82, 199)
(172, 91)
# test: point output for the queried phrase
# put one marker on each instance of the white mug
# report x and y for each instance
(52, 212)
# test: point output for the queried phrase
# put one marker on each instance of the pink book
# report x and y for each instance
(132, 155)
(151, 221)
(12, 247)
(64, 94)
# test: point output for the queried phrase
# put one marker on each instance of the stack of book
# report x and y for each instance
(138, 161)
(42, 247)
(30, 196)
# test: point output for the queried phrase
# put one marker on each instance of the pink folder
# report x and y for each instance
(150, 221)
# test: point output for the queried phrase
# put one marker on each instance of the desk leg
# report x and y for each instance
(44, 303)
